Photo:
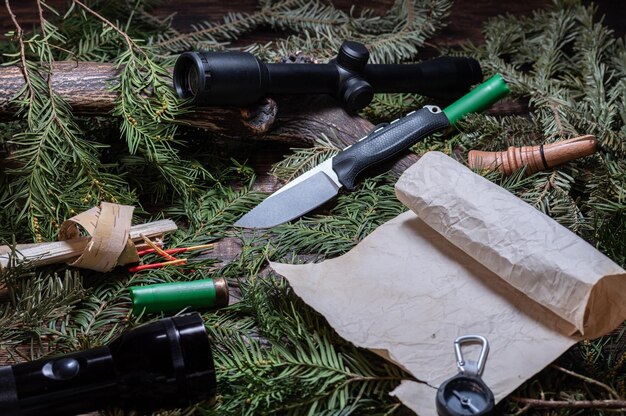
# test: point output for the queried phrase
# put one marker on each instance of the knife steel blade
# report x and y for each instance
(285, 206)
(320, 184)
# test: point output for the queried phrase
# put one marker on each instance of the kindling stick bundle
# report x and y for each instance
(110, 242)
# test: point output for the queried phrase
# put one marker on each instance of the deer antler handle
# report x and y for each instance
(535, 158)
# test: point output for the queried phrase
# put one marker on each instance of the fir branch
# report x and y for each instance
(420, 20)
(573, 404)
(274, 354)
(302, 160)
(40, 304)
(147, 107)
(386, 107)
(52, 152)
(353, 218)
(333, 377)
(571, 79)
(303, 15)
(322, 28)
(132, 45)
(20, 39)
(589, 380)
(209, 35)
(551, 195)
(209, 216)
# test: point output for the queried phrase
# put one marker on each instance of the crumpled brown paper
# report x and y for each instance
(471, 259)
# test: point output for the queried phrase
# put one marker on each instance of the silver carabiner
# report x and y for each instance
(468, 367)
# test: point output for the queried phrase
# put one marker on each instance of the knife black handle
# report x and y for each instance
(386, 142)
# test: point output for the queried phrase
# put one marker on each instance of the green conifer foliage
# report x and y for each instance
(564, 63)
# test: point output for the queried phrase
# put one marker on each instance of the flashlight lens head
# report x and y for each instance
(164, 364)
(159, 365)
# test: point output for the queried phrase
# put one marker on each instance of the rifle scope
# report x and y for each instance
(240, 78)
(159, 365)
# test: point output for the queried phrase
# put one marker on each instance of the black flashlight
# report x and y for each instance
(160, 365)
(239, 78)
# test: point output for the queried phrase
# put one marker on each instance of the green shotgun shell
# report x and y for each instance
(477, 99)
(170, 297)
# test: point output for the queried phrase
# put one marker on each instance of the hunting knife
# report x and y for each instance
(322, 183)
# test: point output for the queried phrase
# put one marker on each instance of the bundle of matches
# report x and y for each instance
(167, 254)
(533, 158)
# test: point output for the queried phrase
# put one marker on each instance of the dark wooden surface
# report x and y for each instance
(465, 20)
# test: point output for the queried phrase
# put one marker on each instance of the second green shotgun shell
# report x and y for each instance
(170, 297)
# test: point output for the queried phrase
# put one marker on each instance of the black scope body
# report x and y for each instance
(160, 365)
(240, 78)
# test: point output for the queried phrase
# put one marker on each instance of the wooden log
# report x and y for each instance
(86, 86)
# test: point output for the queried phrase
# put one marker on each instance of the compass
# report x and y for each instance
(466, 394)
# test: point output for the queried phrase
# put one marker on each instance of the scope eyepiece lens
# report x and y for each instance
(193, 79)
(189, 75)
